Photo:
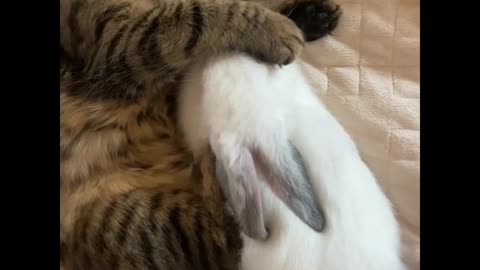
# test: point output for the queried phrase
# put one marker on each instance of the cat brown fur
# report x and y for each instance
(128, 196)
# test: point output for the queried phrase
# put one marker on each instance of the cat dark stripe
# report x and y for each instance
(105, 224)
(148, 251)
(132, 255)
(126, 222)
(201, 246)
(255, 16)
(155, 203)
(126, 74)
(86, 223)
(141, 21)
(113, 46)
(148, 46)
(177, 14)
(115, 261)
(110, 13)
(73, 21)
(232, 9)
(197, 28)
(171, 241)
(65, 58)
(174, 219)
(65, 152)
(246, 13)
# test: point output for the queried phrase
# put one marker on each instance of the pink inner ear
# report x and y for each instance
(266, 173)
(253, 211)
(286, 176)
(240, 185)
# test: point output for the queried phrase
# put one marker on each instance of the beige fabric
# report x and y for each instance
(368, 76)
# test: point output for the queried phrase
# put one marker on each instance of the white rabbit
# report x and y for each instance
(256, 117)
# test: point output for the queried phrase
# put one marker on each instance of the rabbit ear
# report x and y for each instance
(239, 182)
(286, 175)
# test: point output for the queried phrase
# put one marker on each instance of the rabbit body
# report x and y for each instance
(236, 104)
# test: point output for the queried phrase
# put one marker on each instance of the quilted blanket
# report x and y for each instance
(367, 74)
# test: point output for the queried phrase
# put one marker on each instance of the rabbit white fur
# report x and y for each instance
(232, 101)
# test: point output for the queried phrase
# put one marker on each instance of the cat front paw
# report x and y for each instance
(281, 42)
(316, 18)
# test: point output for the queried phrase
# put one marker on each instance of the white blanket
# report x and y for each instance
(368, 76)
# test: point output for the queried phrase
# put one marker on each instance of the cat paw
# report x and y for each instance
(282, 41)
(316, 18)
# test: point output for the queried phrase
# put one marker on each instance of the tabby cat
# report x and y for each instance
(128, 198)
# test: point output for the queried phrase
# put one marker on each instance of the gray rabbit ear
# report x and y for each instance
(287, 177)
(239, 183)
